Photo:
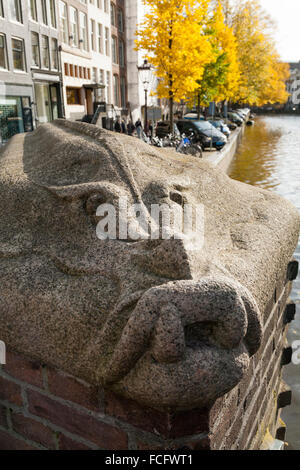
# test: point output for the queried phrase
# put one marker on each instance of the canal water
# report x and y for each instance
(269, 157)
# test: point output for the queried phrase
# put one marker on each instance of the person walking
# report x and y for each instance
(130, 128)
(150, 127)
(117, 126)
(139, 128)
(123, 125)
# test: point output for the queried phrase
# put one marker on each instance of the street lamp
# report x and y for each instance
(145, 74)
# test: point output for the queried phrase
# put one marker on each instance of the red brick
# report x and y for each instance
(189, 422)
(73, 390)
(130, 412)
(9, 442)
(24, 369)
(33, 430)
(159, 423)
(11, 392)
(141, 445)
(79, 423)
(65, 443)
(3, 420)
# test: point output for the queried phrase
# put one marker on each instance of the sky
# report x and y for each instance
(287, 15)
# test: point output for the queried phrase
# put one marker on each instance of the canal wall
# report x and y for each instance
(216, 364)
(224, 157)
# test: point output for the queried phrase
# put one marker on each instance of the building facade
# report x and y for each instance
(69, 58)
(93, 56)
(16, 91)
(30, 71)
(293, 88)
(135, 14)
(45, 60)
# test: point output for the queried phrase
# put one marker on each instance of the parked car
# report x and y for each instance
(235, 118)
(244, 111)
(163, 129)
(205, 133)
(220, 125)
(193, 116)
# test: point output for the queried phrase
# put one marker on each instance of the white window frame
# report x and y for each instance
(21, 40)
(5, 53)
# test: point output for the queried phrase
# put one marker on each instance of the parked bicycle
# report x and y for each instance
(189, 146)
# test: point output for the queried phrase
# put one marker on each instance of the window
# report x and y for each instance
(106, 6)
(54, 54)
(106, 41)
(18, 54)
(3, 53)
(114, 49)
(45, 52)
(113, 14)
(108, 87)
(121, 53)
(123, 92)
(1, 9)
(33, 10)
(99, 38)
(94, 74)
(15, 8)
(116, 90)
(99, 4)
(101, 91)
(44, 11)
(73, 96)
(83, 30)
(64, 21)
(53, 14)
(66, 67)
(93, 42)
(35, 48)
(120, 20)
(74, 25)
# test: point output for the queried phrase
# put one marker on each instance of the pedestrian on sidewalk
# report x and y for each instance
(117, 126)
(123, 125)
(139, 128)
(130, 128)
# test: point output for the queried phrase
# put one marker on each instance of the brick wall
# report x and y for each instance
(42, 408)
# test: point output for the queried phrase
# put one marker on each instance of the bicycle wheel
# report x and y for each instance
(194, 150)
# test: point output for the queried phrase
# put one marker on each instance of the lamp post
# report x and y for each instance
(145, 74)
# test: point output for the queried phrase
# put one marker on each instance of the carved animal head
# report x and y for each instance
(154, 320)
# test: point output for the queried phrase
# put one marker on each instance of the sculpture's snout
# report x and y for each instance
(183, 318)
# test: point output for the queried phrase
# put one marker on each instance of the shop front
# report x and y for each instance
(48, 103)
(15, 116)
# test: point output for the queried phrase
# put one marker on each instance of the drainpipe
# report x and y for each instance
(61, 86)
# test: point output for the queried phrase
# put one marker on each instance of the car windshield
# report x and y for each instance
(203, 125)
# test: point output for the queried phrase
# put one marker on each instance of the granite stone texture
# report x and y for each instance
(158, 321)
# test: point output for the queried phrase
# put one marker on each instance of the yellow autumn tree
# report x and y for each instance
(173, 36)
(225, 38)
(262, 75)
(220, 79)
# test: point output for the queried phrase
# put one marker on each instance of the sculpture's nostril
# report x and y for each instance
(168, 344)
(198, 333)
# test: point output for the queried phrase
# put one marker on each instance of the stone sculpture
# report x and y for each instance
(154, 320)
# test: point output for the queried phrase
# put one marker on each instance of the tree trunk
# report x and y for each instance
(198, 106)
(171, 111)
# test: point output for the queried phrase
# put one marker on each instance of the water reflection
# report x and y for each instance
(269, 157)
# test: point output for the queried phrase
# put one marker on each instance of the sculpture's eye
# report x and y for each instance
(177, 197)
(93, 202)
